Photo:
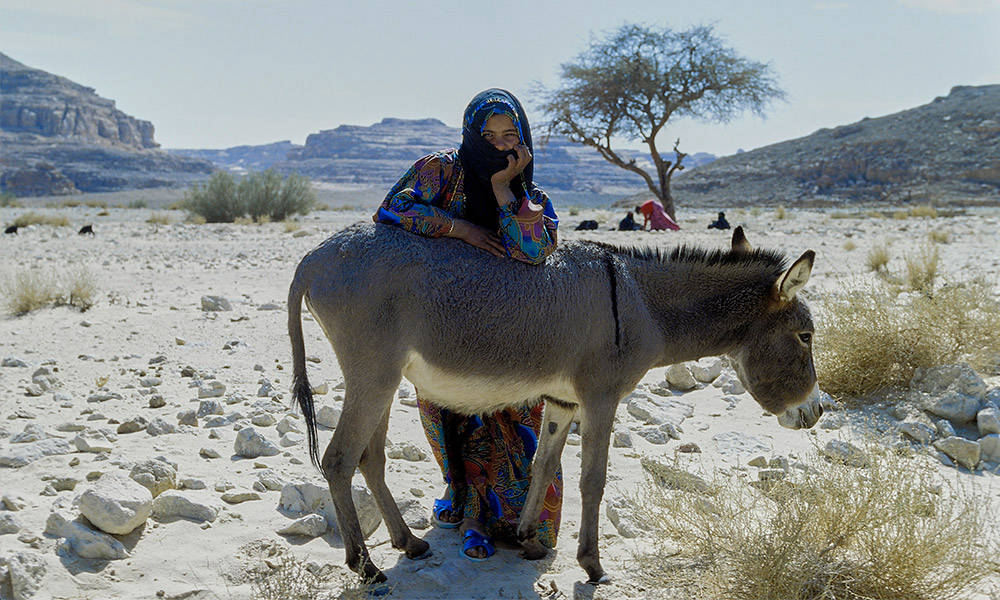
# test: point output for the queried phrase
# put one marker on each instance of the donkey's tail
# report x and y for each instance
(301, 390)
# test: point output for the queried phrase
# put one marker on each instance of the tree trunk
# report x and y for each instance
(667, 199)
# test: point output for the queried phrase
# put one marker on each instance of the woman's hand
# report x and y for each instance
(477, 236)
(514, 166)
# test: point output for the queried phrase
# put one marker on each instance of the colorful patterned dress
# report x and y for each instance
(496, 449)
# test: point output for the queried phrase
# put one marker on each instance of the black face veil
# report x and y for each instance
(482, 160)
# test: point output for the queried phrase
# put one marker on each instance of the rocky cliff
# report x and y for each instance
(378, 154)
(947, 151)
(60, 137)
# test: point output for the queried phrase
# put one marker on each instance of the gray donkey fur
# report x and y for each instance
(476, 333)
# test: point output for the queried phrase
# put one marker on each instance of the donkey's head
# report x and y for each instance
(774, 359)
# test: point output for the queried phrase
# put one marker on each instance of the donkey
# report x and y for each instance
(476, 333)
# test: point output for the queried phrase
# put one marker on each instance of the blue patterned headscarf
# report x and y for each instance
(481, 158)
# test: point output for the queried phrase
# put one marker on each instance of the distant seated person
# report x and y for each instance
(587, 225)
(720, 223)
(628, 223)
(655, 217)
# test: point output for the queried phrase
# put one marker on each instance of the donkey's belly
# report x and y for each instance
(478, 394)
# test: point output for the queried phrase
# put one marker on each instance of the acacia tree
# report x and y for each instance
(630, 83)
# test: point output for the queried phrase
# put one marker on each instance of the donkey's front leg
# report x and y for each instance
(596, 421)
(556, 420)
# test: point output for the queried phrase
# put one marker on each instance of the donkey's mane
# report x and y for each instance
(762, 258)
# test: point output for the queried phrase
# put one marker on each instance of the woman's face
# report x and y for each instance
(501, 132)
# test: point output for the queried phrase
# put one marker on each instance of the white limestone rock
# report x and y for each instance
(657, 411)
(623, 515)
(158, 426)
(290, 439)
(212, 388)
(18, 455)
(240, 496)
(9, 524)
(208, 407)
(195, 506)
(729, 383)
(679, 377)
(215, 304)
(302, 498)
(845, 452)
(328, 416)
(954, 392)
(252, 444)
(405, 451)
(987, 421)
(989, 447)
(80, 538)
(918, 431)
(22, 573)
(734, 443)
(288, 424)
(310, 526)
(707, 369)
(116, 504)
(962, 451)
(32, 432)
(157, 476)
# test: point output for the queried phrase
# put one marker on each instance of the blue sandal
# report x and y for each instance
(474, 539)
(440, 506)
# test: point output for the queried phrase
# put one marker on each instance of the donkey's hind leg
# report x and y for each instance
(597, 420)
(373, 468)
(365, 403)
(556, 420)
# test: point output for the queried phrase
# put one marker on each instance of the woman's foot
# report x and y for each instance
(444, 514)
(476, 545)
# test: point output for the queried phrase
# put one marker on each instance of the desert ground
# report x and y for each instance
(147, 337)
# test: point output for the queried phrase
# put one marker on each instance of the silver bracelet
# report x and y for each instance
(450, 228)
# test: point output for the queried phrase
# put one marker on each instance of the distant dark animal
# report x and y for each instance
(86, 230)
(720, 223)
(586, 225)
(628, 223)
(11, 229)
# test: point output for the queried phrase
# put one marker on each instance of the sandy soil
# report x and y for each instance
(151, 279)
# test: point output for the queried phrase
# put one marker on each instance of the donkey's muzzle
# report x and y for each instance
(804, 415)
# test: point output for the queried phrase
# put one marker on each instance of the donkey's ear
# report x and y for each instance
(792, 280)
(740, 243)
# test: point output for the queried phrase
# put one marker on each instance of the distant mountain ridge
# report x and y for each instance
(378, 154)
(945, 151)
(59, 137)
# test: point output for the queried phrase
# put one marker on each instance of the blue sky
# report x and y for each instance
(218, 73)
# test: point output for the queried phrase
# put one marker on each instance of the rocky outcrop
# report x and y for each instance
(945, 151)
(59, 137)
(378, 154)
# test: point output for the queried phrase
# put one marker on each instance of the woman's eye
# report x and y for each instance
(806, 337)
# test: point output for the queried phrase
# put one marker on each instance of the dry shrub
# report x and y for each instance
(29, 290)
(8, 200)
(939, 236)
(780, 213)
(286, 577)
(878, 257)
(33, 218)
(869, 339)
(874, 214)
(890, 530)
(923, 211)
(291, 226)
(242, 221)
(104, 213)
(922, 268)
(95, 203)
(850, 245)
(755, 212)
(161, 219)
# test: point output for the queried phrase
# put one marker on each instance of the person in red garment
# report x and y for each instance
(655, 217)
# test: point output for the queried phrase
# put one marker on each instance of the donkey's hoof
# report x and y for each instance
(526, 533)
(418, 549)
(533, 550)
(604, 578)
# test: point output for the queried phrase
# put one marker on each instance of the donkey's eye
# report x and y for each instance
(806, 337)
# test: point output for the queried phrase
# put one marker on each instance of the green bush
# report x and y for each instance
(260, 195)
(216, 201)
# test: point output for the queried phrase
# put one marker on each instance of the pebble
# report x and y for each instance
(240, 496)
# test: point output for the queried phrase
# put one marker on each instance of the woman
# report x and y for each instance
(483, 194)
(654, 216)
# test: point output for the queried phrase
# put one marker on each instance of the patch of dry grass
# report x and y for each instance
(286, 577)
(850, 245)
(891, 530)
(780, 213)
(30, 289)
(878, 257)
(159, 219)
(939, 236)
(33, 218)
(922, 268)
(290, 225)
(871, 339)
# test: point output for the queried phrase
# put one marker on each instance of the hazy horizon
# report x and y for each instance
(220, 73)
